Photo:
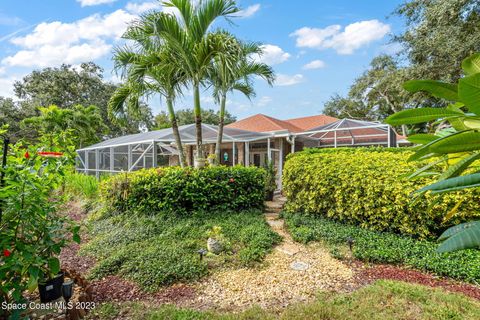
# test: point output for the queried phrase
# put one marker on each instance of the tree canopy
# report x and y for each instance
(187, 116)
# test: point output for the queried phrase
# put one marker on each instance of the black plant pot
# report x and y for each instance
(269, 196)
(51, 289)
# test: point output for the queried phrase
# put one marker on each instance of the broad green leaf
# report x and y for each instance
(472, 123)
(422, 138)
(469, 92)
(465, 239)
(459, 167)
(437, 89)
(53, 265)
(456, 229)
(457, 124)
(420, 115)
(425, 151)
(453, 184)
(423, 170)
(458, 142)
(32, 283)
(471, 65)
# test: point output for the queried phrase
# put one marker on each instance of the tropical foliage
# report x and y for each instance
(453, 140)
(33, 228)
(370, 188)
(234, 72)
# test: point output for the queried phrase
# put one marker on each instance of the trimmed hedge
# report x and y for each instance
(385, 247)
(369, 187)
(184, 190)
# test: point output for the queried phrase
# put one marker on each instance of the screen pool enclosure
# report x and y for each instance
(157, 148)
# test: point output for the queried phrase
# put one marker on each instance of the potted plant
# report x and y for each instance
(270, 181)
(215, 240)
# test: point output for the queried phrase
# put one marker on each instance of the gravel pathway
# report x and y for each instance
(291, 273)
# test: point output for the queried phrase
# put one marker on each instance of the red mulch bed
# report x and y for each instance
(114, 288)
(368, 273)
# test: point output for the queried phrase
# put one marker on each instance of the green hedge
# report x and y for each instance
(183, 190)
(384, 247)
(369, 187)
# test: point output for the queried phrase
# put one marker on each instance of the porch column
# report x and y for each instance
(233, 153)
(154, 155)
(87, 165)
(269, 153)
(247, 154)
(280, 165)
(112, 159)
(97, 163)
(335, 139)
(293, 145)
(129, 157)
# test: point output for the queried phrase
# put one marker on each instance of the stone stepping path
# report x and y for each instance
(291, 273)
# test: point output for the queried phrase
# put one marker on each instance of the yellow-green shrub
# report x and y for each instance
(369, 188)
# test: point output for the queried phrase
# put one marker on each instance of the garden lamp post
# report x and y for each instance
(67, 292)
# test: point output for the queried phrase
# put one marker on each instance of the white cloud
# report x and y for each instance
(139, 8)
(48, 55)
(263, 101)
(315, 64)
(288, 80)
(249, 11)
(272, 55)
(353, 37)
(57, 42)
(87, 3)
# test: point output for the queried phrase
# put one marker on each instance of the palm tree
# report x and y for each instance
(188, 36)
(148, 69)
(234, 72)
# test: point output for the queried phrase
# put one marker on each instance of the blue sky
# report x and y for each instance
(317, 48)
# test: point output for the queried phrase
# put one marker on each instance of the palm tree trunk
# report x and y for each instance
(223, 101)
(198, 119)
(176, 133)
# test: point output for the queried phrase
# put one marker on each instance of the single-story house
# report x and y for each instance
(251, 141)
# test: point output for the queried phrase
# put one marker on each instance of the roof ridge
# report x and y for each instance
(273, 120)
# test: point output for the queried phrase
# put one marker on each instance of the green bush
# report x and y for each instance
(184, 190)
(369, 187)
(385, 247)
(79, 184)
(162, 249)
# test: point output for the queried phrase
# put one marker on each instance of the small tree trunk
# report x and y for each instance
(176, 133)
(221, 123)
(198, 119)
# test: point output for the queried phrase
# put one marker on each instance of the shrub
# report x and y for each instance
(78, 184)
(369, 187)
(385, 247)
(184, 190)
(162, 249)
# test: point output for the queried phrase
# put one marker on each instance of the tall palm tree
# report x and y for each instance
(148, 69)
(234, 72)
(187, 33)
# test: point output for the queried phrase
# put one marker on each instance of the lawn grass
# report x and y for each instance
(163, 249)
(382, 300)
(384, 247)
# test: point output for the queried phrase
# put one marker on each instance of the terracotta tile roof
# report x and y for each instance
(263, 123)
(307, 123)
